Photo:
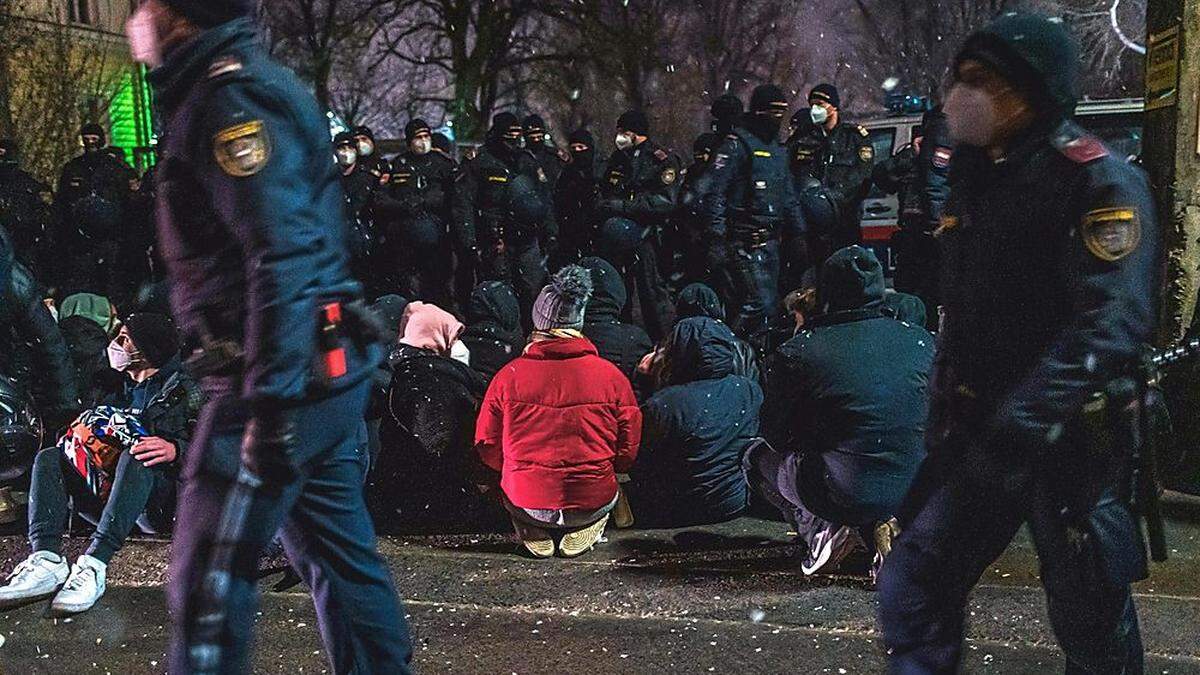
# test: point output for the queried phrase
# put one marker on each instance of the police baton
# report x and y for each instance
(204, 643)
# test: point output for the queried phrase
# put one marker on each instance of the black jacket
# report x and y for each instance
(849, 393)
(32, 350)
(172, 402)
(421, 478)
(623, 344)
(640, 184)
(695, 431)
(493, 331)
(501, 195)
(251, 215)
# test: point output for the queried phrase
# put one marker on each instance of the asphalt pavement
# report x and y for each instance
(726, 598)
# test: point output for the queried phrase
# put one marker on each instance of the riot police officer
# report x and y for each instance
(90, 204)
(251, 224)
(360, 187)
(503, 209)
(416, 209)
(637, 196)
(575, 198)
(726, 111)
(1050, 290)
(839, 154)
(537, 141)
(749, 209)
(23, 209)
(687, 223)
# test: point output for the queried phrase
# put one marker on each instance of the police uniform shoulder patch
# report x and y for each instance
(242, 150)
(1081, 149)
(660, 155)
(224, 65)
(669, 175)
(720, 160)
(866, 153)
(1110, 234)
(942, 156)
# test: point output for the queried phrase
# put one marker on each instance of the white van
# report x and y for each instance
(1118, 122)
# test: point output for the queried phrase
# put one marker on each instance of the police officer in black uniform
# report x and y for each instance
(416, 208)
(839, 154)
(687, 222)
(749, 209)
(919, 175)
(503, 210)
(369, 159)
(575, 197)
(537, 141)
(360, 187)
(90, 204)
(23, 208)
(1051, 256)
(251, 224)
(637, 197)
(726, 111)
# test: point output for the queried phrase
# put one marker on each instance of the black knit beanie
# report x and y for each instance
(415, 127)
(154, 336)
(209, 13)
(635, 121)
(825, 92)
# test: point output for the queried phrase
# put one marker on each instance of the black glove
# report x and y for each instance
(269, 449)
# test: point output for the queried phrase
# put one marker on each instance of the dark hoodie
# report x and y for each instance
(493, 331)
(849, 394)
(622, 344)
(700, 300)
(695, 431)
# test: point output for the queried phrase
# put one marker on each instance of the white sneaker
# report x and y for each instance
(37, 577)
(829, 547)
(83, 588)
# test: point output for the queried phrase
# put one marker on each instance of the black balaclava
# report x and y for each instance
(768, 105)
(535, 129)
(725, 112)
(93, 129)
(587, 157)
(506, 134)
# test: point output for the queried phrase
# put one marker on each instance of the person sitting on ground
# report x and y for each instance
(905, 307)
(695, 431)
(557, 424)
(420, 482)
(844, 415)
(622, 344)
(493, 331)
(116, 493)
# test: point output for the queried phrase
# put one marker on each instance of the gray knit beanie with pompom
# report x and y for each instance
(562, 302)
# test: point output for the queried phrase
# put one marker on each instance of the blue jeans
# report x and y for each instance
(326, 531)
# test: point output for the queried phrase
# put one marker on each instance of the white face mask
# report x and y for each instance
(624, 141)
(421, 146)
(143, 38)
(365, 148)
(118, 358)
(346, 157)
(818, 113)
(970, 115)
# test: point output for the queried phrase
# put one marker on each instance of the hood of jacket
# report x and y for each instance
(495, 302)
(701, 348)
(699, 300)
(608, 291)
(851, 279)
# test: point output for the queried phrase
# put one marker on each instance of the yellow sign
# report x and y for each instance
(1162, 69)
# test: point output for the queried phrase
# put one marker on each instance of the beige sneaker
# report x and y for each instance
(581, 541)
(536, 540)
(622, 513)
(885, 534)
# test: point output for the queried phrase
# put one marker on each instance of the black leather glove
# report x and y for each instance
(269, 449)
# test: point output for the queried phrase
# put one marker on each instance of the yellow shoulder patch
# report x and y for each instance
(242, 150)
(1111, 233)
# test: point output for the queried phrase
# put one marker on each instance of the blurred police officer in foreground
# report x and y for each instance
(1051, 256)
(748, 208)
(251, 227)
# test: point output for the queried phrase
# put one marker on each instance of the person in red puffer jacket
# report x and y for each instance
(558, 423)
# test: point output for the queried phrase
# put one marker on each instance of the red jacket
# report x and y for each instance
(559, 423)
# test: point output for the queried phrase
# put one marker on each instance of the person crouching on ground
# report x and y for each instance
(140, 491)
(558, 423)
(844, 415)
